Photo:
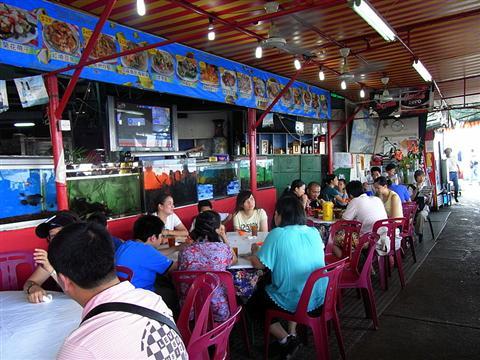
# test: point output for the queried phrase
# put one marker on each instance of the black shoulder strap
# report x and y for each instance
(133, 309)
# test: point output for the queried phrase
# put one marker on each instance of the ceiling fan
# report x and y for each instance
(276, 40)
(361, 73)
(385, 95)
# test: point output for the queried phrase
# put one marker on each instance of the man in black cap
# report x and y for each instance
(46, 230)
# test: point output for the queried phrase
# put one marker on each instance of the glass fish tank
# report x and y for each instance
(115, 194)
(27, 189)
(177, 178)
(264, 173)
(223, 177)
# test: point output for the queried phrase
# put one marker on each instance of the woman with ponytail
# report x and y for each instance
(209, 251)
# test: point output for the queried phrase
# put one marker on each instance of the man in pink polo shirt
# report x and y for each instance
(111, 327)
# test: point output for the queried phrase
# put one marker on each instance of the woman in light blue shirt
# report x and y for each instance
(291, 251)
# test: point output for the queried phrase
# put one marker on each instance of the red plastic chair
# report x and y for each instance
(226, 280)
(349, 227)
(318, 323)
(352, 278)
(124, 273)
(212, 344)
(409, 212)
(383, 260)
(15, 268)
(197, 302)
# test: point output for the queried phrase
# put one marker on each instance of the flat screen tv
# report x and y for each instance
(136, 127)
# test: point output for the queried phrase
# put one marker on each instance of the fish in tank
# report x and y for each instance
(115, 195)
(27, 194)
(219, 176)
(205, 191)
(177, 178)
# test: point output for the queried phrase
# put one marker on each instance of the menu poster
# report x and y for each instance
(3, 96)
(31, 91)
(46, 36)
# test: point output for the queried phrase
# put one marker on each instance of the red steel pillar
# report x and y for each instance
(330, 147)
(57, 144)
(252, 143)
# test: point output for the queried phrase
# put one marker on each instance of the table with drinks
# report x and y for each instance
(245, 276)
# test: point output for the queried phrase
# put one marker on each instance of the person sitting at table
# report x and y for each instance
(291, 251)
(391, 173)
(173, 224)
(400, 189)
(83, 257)
(375, 172)
(313, 193)
(422, 195)
(100, 218)
(329, 191)
(247, 215)
(206, 205)
(142, 256)
(390, 199)
(297, 188)
(363, 208)
(47, 230)
(209, 251)
(343, 193)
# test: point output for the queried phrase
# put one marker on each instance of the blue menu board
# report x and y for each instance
(46, 36)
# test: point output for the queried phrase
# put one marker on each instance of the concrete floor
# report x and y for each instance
(437, 316)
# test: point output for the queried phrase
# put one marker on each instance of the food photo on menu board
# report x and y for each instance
(209, 76)
(62, 40)
(187, 69)
(18, 25)
(244, 85)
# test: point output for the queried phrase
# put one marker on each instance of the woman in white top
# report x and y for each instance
(247, 214)
(173, 224)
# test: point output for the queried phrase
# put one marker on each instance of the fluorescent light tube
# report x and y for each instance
(370, 15)
(24, 124)
(422, 70)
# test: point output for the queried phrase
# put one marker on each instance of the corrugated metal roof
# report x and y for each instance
(444, 34)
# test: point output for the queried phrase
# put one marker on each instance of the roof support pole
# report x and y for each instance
(57, 144)
(85, 55)
(330, 147)
(252, 144)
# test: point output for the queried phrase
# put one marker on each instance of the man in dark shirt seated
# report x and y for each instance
(313, 192)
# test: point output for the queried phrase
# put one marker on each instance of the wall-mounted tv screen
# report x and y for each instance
(139, 127)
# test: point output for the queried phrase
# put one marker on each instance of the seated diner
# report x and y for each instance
(390, 199)
(46, 230)
(209, 251)
(247, 214)
(173, 224)
(291, 251)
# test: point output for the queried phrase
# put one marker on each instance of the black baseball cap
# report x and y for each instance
(59, 220)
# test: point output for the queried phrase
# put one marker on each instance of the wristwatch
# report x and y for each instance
(27, 291)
